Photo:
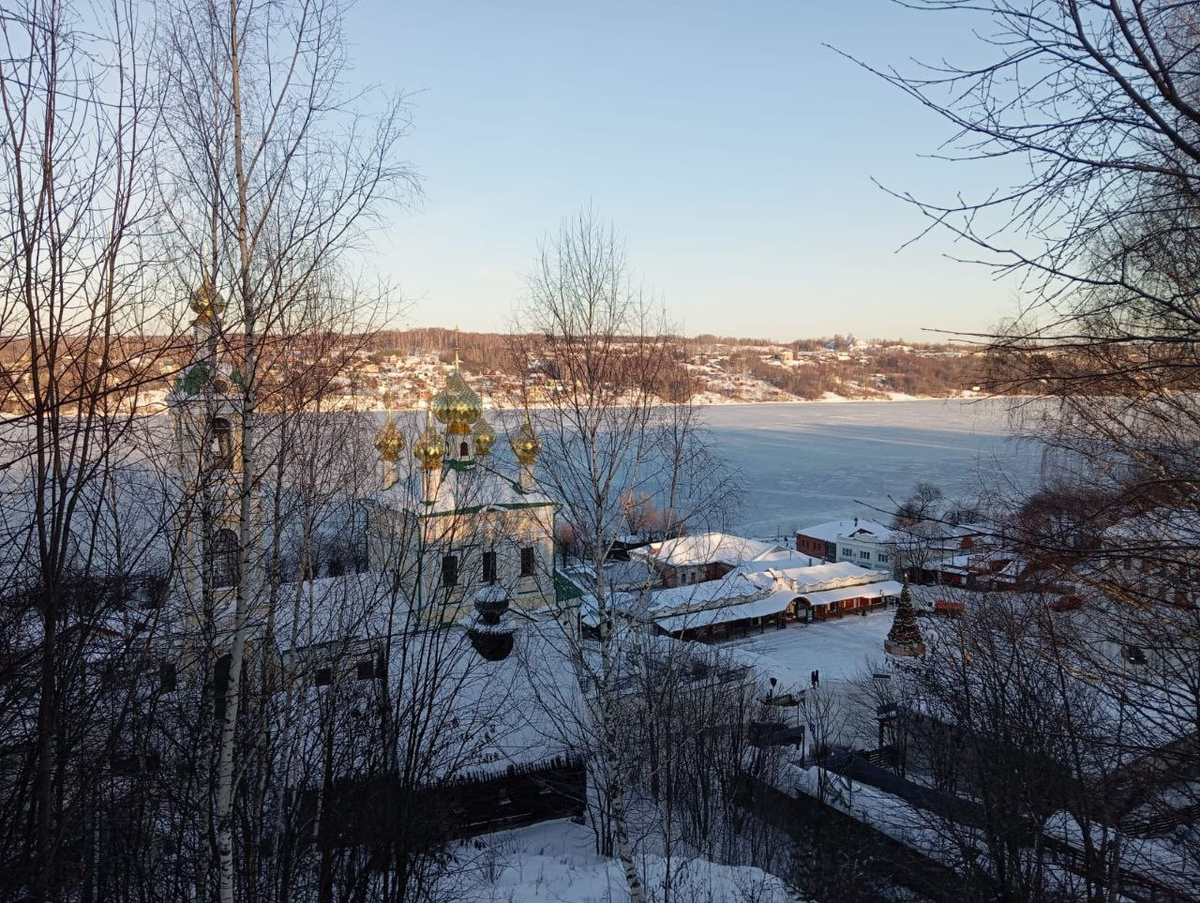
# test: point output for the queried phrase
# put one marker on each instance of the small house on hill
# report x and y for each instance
(863, 542)
(686, 560)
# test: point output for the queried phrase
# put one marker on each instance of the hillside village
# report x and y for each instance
(402, 370)
(714, 370)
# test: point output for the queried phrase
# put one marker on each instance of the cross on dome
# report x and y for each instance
(457, 406)
(429, 449)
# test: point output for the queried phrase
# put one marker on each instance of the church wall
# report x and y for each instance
(493, 536)
(467, 537)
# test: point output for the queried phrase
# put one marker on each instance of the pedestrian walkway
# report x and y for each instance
(947, 805)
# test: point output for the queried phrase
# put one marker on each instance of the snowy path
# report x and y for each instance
(555, 862)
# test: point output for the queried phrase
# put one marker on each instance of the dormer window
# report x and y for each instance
(1134, 655)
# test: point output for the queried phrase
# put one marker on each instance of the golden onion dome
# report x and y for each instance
(206, 303)
(390, 441)
(525, 443)
(430, 448)
(457, 405)
(484, 435)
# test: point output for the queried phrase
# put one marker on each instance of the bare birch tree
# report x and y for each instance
(276, 174)
(602, 360)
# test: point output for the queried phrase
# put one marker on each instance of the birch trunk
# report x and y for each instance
(613, 779)
(616, 796)
(226, 771)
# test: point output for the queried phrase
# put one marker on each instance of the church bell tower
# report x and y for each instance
(207, 421)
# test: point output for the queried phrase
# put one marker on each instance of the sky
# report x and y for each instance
(732, 150)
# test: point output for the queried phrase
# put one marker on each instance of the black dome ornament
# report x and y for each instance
(490, 630)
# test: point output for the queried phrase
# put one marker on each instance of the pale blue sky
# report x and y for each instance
(732, 150)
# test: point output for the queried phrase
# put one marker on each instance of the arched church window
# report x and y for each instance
(222, 442)
(225, 558)
(464, 450)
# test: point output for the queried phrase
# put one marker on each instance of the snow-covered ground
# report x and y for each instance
(846, 652)
(839, 649)
(555, 862)
(802, 464)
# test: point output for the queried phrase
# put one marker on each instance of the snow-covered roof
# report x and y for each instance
(858, 528)
(993, 563)
(733, 587)
(784, 559)
(756, 608)
(359, 606)
(863, 591)
(477, 717)
(828, 575)
(1014, 568)
(706, 548)
(957, 564)
(117, 524)
(750, 583)
(1160, 525)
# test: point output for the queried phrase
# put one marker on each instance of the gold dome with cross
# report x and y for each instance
(457, 406)
(430, 448)
(390, 441)
(206, 302)
(525, 442)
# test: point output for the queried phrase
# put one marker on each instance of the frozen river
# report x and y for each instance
(802, 464)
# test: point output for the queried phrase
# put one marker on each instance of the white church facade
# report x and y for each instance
(452, 524)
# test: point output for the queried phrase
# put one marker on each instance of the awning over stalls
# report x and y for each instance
(878, 590)
(725, 614)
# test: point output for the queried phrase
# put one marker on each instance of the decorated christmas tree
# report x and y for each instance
(905, 636)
